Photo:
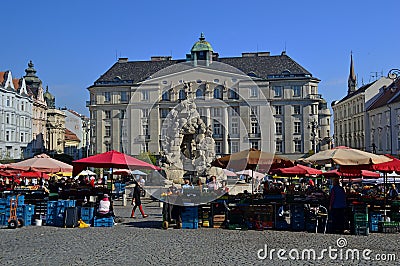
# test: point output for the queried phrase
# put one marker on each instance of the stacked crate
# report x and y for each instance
(205, 216)
(24, 211)
(375, 218)
(297, 217)
(361, 224)
(103, 221)
(56, 210)
(190, 218)
(389, 227)
(87, 215)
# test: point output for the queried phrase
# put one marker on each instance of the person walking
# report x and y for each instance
(136, 202)
(337, 206)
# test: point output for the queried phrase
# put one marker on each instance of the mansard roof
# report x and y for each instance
(266, 67)
(389, 95)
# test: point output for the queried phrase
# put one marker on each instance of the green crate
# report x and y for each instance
(360, 217)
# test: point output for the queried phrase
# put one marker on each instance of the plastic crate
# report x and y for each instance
(103, 222)
(188, 225)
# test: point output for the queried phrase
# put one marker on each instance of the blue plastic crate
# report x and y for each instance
(103, 222)
(190, 225)
(29, 209)
(87, 211)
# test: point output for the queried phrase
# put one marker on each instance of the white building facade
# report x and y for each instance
(15, 117)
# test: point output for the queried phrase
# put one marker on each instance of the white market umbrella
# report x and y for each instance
(86, 173)
(137, 172)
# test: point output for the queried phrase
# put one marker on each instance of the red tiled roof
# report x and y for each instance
(2, 77)
(389, 92)
(71, 136)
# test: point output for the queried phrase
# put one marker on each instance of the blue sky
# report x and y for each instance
(73, 42)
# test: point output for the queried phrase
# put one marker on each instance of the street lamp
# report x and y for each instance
(313, 125)
(394, 74)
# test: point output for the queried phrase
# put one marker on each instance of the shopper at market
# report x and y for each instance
(105, 209)
(337, 206)
(136, 202)
(213, 184)
(393, 192)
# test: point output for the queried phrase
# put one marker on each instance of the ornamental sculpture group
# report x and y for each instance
(188, 146)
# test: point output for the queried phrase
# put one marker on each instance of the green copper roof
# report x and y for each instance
(202, 45)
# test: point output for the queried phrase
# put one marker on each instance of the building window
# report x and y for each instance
(182, 94)
(278, 128)
(217, 128)
(254, 110)
(232, 94)
(296, 109)
(234, 126)
(107, 96)
(278, 109)
(313, 89)
(22, 106)
(279, 146)
(278, 91)
(254, 92)
(199, 94)
(235, 110)
(8, 102)
(22, 137)
(107, 132)
(145, 130)
(7, 118)
(145, 95)
(145, 113)
(218, 145)
(254, 128)
(254, 144)
(166, 96)
(107, 114)
(124, 96)
(297, 128)
(297, 145)
(234, 146)
(218, 92)
(164, 112)
(7, 135)
(296, 91)
(216, 111)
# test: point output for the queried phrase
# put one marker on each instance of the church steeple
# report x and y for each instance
(352, 81)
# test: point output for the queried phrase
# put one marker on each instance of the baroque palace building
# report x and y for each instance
(301, 118)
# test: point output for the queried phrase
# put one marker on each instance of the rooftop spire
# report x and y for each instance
(352, 80)
(202, 38)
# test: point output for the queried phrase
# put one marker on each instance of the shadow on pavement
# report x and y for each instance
(145, 224)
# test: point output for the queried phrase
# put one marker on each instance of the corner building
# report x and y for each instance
(302, 118)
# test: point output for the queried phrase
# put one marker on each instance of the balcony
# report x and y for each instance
(313, 96)
(254, 135)
(142, 138)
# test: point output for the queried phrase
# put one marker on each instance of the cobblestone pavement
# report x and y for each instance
(143, 242)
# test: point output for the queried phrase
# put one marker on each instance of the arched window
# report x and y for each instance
(199, 93)
(182, 94)
(218, 92)
(166, 96)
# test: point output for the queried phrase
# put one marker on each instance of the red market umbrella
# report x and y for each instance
(299, 170)
(111, 159)
(351, 173)
(34, 174)
(41, 163)
(388, 167)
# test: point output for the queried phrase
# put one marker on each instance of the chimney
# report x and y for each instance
(161, 58)
(122, 59)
